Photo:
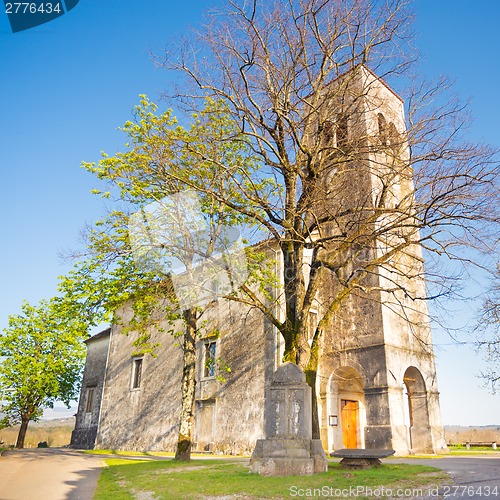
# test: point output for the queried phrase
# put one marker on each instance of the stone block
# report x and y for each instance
(274, 466)
(293, 448)
(319, 456)
(288, 448)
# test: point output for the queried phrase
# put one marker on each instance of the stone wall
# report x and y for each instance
(85, 432)
(144, 417)
(229, 410)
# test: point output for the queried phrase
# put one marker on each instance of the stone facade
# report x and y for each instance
(89, 406)
(376, 383)
(377, 370)
(228, 414)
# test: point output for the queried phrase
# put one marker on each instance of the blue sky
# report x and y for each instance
(67, 85)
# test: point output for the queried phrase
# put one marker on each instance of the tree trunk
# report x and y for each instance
(311, 376)
(311, 372)
(184, 442)
(22, 432)
(291, 350)
(293, 291)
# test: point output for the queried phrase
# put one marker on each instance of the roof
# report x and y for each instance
(383, 82)
(373, 74)
(100, 335)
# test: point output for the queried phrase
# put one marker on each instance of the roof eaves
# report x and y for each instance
(104, 333)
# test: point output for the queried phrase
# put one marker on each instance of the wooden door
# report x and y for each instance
(350, 423)
(205, 425)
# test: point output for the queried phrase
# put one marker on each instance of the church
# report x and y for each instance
(376, 384)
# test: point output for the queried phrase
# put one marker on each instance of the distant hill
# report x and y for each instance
(459, 434)
(56, 432)
(56, 422)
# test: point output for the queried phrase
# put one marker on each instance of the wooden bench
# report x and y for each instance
(493, 444)
(361, 459)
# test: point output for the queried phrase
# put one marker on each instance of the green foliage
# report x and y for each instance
(43, 354)
(161, 158)
(128, 269)
(96, 288)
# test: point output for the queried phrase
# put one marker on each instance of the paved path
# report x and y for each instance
(48, 474)
(476, 477)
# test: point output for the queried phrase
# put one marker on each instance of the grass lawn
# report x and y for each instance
(211, 479)
(463, 451)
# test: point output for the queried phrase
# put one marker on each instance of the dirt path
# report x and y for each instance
(51, 473)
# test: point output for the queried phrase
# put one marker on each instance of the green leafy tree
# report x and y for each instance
(162, 160)
(42, 356)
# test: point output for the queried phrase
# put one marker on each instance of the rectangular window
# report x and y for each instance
(136, 373)
(209, 358)
(90, 400)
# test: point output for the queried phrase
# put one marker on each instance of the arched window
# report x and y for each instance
(392, 135)
(382, 129)
(342, 131)
(328, 131)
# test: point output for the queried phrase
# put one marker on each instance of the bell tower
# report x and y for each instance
(378, 386)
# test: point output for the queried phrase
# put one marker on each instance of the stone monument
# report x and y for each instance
(288, 448)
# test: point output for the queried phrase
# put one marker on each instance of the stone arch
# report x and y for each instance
(418, 407)
(346, 408)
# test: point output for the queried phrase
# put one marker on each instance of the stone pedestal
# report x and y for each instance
(288, 448)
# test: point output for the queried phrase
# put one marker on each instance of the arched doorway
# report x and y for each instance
(418, 411)
(346, 411)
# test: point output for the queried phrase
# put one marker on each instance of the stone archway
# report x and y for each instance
(420, 439)
(346, 409)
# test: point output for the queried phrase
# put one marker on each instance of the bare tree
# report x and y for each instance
(489, 333)
(348, 192)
